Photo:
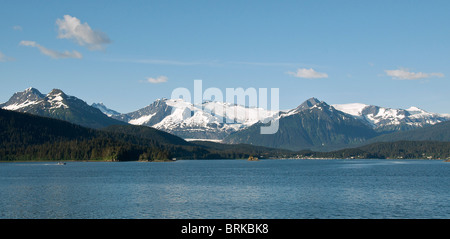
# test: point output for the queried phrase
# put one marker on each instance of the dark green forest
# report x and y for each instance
(388, 150)
(28, 137)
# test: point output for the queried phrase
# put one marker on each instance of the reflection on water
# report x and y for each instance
(227, 189)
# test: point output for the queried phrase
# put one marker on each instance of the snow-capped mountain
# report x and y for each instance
(31, 99)
(218, 120)
(308, 104)
(148, 115)
(312, 125)
(105, 110)
(211, 120)
(58, 105)
(23, 99)
(387, 119)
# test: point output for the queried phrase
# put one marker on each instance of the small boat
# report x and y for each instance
(61, 163)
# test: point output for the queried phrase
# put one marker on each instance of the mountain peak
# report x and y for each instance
(415, 109)
(32, 90)
(313, 101)
(56, 92)
(98, 104)
(23, 99)
(385, 119)
(107, 111)
(308, 104)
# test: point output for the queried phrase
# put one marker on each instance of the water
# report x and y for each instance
(267, 189)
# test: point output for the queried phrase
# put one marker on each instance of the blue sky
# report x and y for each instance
(126, 54)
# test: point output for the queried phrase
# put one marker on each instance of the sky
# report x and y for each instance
(127, 54)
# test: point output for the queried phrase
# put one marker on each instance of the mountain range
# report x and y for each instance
(27, 137)
(387, 120)
(314, 124)
(211, 120)
(58, 105)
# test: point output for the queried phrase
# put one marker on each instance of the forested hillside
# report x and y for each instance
(29, 137)
(388, 150)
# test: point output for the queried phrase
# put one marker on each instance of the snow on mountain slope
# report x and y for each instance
(105, 110)
(213, 120)
(354, 109)
(381, 117)
(58, 105)
(216, 116)
(142, 120)
(308, 104)
(312, 125)
(238, 114)
(56, 100)
(21, 101)
(17, 106)
(24, 99)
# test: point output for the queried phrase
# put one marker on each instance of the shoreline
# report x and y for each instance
(169, 160)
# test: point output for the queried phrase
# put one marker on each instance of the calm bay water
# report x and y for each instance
(227, 189)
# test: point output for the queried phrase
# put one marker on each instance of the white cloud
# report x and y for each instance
(52, 53)
(159, 79)
(308, 74)
(4, 58)
(17, 28)
(71, 28)
(169, 62)
(275, 64)
(405, 74)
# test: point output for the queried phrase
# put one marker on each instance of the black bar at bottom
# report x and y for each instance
(223, 228)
